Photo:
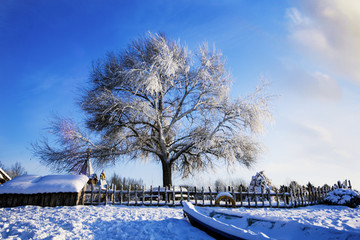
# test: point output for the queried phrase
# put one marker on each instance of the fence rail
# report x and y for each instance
(201, 197)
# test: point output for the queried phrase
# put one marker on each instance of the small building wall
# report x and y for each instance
(43, 199)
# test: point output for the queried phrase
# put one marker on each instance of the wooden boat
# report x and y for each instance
(216, 228)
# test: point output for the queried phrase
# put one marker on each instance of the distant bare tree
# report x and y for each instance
(15, 170)
(156, 100)
(126, 182)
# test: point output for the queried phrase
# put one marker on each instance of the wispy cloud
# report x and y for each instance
(329, 31)
(310, 85)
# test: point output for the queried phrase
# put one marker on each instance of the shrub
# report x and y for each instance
(345, 197)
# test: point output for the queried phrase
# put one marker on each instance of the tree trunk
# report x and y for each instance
(166, 169)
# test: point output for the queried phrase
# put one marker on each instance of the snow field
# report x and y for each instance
(122, 222)
(313, 222)
(93, 222)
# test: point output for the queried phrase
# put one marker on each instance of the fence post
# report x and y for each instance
(286, 197)
(114, 195)
(234, 196)
(241, 200)
(173, 196)
(277, 198)
(99, 196)
(151, 195)
(106, 194)
(262, 196)
(92, 194)
(202, 195)
(255, 198)
(195, 197)
(188, 195)
(248, 196)
(121, 193)
(111, 193)
(136, 194)
(143, 195)
(308, 196)
(297, 197)
(166, 195)
(226, 202)
(269, 197)
(318, 195)
(129, 188)
(210, 196)
(181, 194)
(159, 196)
(291, 198)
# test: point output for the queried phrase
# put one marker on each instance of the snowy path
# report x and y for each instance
(121, 222)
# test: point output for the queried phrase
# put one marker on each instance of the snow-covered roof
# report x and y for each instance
(32, 184)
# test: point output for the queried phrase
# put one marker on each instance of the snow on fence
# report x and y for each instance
(200, 197)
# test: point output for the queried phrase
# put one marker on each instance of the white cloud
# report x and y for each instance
(325, 86)
(315, 133)
(329, 31)
(311, 85)
(296, 17)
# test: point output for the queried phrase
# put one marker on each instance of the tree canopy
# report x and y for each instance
(157, 100)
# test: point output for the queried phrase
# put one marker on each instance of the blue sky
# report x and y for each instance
(307, 49)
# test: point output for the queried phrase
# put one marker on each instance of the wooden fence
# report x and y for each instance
(200, 197)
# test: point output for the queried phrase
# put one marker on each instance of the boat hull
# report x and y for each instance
(216, 233)
(216, 228)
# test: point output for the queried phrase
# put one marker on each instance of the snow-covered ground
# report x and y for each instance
(122, 222)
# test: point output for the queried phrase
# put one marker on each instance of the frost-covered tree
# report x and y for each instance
(156, 100)
(70, 149)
